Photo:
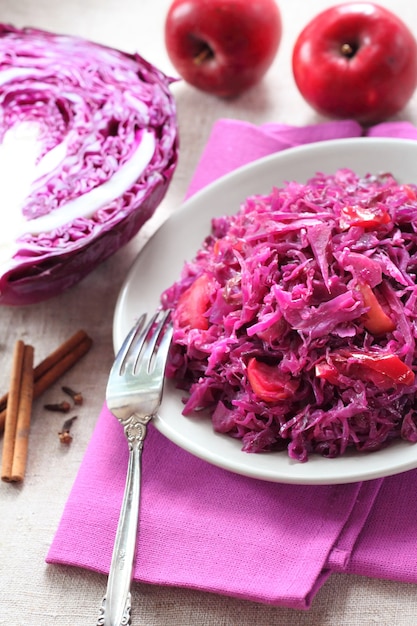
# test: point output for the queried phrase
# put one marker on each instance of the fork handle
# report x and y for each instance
(115, 607)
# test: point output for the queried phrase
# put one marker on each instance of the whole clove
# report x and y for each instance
(76, 396)
(61, 407)
(64, 434)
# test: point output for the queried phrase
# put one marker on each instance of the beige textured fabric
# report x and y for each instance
(32, 593)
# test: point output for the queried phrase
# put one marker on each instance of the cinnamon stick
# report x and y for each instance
(12, 410)
(53, 367)
(57, 355)
(23, 417)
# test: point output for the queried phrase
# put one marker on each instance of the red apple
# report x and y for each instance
(222, 46)
(356, 60)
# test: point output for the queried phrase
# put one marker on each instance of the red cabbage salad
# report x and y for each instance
(295, 324)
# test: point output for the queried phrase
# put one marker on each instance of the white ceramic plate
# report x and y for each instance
(160, 262)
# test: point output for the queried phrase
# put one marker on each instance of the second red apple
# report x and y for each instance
(356, 60)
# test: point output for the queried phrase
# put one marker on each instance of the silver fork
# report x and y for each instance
(133, 395)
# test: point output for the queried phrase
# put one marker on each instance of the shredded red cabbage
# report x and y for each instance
(295, 324)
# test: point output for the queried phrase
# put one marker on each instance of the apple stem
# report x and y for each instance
(205, 54)
(348, 50)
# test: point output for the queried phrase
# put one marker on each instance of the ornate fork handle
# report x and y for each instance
(116, 604)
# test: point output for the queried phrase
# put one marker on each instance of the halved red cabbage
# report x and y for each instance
(295, 325)
(88, 146)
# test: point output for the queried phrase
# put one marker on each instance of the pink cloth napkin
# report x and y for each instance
(205, 528)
